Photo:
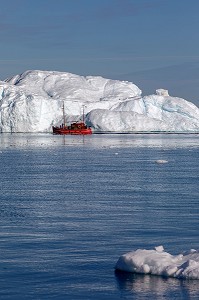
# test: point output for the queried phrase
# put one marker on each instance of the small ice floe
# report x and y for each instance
(161, 161)
(159, 262)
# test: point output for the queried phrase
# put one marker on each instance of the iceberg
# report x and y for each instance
(33, 100)
(158, 262)
(153, 113)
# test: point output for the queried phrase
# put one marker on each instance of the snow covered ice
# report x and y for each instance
(159, 262)
(32, 102)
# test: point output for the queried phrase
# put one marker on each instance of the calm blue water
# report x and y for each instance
(70, 206)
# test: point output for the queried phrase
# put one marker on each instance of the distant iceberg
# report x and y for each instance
(32, 102)
(159, 262)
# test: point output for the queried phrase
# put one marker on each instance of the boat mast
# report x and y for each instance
(83, 112)
(64, 117)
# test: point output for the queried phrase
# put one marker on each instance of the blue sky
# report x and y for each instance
(112, 38)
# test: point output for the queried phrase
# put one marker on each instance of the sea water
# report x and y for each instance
(71, 205)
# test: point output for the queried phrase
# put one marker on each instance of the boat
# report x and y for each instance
(76, 128)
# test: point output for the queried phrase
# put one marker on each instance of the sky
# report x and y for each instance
(153, 43)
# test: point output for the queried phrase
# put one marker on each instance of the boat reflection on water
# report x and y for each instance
(99, 141)
(155, 287)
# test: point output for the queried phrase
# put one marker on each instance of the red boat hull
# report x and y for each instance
(75, 129)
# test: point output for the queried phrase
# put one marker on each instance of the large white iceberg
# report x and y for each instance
(32, 102)
(159, 262)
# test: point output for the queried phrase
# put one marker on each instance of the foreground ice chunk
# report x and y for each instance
(159, 262)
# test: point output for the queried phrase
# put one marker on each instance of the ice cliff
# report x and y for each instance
(32, 102)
